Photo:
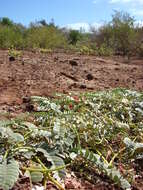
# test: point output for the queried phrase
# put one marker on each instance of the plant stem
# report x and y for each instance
(6, 154)
(105, 161)
(22, 147)
(49, 176)
(115, 156)
(45, 169)
(55, 182)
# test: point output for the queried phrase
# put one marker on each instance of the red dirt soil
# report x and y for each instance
(44, 74)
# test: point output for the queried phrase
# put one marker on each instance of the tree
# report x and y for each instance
(6, 21)
(123, 32)
(43, 22)
(74, 36)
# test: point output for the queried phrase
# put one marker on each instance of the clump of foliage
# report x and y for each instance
(38, 35)
(104, 50)
(45, 51)
(74, 37)
(102, 128)
(120, 36)
(86, 50)
(14, 53)
(46, 37)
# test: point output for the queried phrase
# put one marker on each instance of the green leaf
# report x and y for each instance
(7, 132)
(36, 177)
(9, 173)
(136, 147)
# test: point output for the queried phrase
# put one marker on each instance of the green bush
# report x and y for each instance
(74, 37)
(120, 36)
(45, 37)
(14, 53)
(10, 36)
(86, 50)
(104, 50)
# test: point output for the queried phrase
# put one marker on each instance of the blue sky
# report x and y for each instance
(71, 13)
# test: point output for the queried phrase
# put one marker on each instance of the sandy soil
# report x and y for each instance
(40, 74)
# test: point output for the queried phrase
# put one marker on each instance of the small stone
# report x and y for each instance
(29, 107)
(89, 77)
(26, 99)
(11, 58)
(73, 62)
(10, 109)
(82, 86)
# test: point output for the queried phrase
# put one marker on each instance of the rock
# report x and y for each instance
(29, 107)
(56, 58)
(117, 68)
(26, 99)
(10, 109)
(11, 58)
(82, 86)
(89, 77)
(73, 62)
(22, 62)
(1, 62)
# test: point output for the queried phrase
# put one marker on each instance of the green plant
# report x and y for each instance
(74, 126)
(86, 50)
(45, 51)
(74, 36)
(103, 50)
(45, 37)
(14, 53)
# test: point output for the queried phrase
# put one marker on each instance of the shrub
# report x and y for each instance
(6, 22)
(74, 36)
(45, 37)
(86, 50)
(14, 53)
(104, 50)
(45, 51)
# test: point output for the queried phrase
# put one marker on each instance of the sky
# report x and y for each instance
(69, 13)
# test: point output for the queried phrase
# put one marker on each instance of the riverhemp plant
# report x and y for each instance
(104, 129)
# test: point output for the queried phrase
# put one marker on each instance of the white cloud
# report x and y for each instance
(83, 25)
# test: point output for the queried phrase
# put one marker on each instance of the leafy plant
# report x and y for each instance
(45, 51)
(14, 53)
(97, 127)
(86, 50)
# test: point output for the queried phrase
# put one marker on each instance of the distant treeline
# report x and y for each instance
(120, 36)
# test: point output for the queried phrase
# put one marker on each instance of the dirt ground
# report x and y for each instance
(45, 74)
(41, 74)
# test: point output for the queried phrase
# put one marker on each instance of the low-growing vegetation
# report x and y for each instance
(120, 36)
(102, 131)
